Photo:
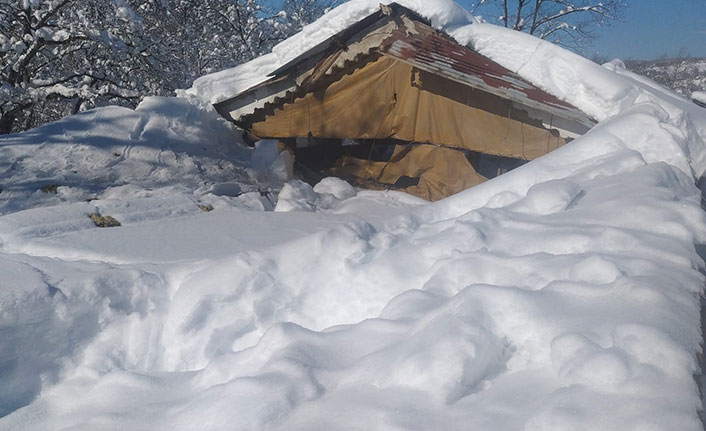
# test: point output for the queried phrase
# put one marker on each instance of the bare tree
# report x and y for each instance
(302, 12)
(571, 23)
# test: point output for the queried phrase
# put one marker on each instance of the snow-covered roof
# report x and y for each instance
(561, 73)
(399, 33)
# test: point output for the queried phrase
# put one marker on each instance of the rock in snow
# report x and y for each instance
(563, 295)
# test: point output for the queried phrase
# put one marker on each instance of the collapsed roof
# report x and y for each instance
(391, 78)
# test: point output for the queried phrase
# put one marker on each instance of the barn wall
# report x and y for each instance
(390, 99)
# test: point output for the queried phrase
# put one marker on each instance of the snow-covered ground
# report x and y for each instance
(563, 295)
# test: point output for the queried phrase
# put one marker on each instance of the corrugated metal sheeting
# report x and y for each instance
(400, 33)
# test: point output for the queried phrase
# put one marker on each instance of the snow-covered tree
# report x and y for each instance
(572, 23)
(61, 56)
(85, 52)
(302, 12)
(203, 36)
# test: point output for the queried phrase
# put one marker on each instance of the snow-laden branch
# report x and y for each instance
(599, 9)
(571, 21)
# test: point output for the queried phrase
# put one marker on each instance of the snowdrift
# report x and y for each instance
(563, 295)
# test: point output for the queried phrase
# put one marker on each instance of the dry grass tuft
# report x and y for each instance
(50, 188)
(104, 221)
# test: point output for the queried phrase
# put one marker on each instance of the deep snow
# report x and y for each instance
(563, 295)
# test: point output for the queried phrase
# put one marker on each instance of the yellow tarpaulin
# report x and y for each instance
(440, 171)
(390, 99)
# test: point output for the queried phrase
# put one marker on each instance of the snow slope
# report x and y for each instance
(563, 295)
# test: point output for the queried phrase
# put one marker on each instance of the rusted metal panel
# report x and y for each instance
(402, 34)
(421, 46)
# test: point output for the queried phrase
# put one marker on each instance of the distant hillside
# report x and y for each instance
(683, 75)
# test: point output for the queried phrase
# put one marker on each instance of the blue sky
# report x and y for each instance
(651, 29)
(655, 28)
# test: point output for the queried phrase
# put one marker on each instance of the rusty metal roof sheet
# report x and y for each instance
(425, 48)
(413, 41)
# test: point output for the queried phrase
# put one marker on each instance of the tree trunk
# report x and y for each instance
(77, 106)
(6, 123)
(506, 17)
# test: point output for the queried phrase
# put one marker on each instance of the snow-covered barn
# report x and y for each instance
(390, 102)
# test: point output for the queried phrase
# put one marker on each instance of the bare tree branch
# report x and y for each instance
(571, 23)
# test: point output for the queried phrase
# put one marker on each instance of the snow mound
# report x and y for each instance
(699, 96)
(164, 148)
